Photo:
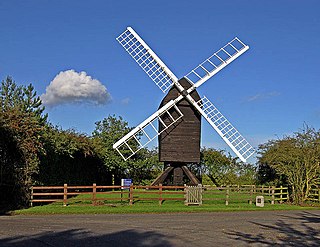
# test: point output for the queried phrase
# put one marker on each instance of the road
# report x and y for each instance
(285, 228)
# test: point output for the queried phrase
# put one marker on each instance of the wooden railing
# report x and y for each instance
(245, 193)
(314, 195)
(98, 195)
(103, 194)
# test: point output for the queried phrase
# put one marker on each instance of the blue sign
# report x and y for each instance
(125, 183)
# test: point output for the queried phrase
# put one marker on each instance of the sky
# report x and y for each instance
(68, 51)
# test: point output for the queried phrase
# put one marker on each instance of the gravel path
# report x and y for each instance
(285, 228)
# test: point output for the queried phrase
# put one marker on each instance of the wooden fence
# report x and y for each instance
(101, 195)
(98, 195)
(314, 195)
(245, 193)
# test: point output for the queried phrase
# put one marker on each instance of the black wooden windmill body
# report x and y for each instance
(177, 123)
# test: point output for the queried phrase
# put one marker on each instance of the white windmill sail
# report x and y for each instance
(202, 73)
(225, 129)
(148, 130)
(147, 59)
(216, 62)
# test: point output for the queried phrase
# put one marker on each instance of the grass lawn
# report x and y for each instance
(147, 201)
(152, 207)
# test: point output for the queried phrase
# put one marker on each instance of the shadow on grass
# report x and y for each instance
(300, 230)
(79, 237)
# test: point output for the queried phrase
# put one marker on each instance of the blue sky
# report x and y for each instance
(270, 91)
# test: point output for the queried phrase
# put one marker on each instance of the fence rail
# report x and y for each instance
(245, 193)
(103, 194)
(99, 195)
(314, 195)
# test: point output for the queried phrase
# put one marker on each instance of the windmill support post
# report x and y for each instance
(176, 174)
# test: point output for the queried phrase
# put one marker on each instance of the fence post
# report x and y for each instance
(251, 193)
(185, 195)
(31, 197)
(272, 195)
(131, 194)
(65, 194)
(318, 195)
(281, 191)
(200, 190)
(227, 196)
(269, 191)
(160, 194)
(94, 194)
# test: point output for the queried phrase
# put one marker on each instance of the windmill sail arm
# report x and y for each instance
(216, 62)
(162, 76)
(147, 131)
(239, 145)
(151, 64)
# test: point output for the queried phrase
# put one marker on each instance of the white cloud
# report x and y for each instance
(262, 96)
(73, 87)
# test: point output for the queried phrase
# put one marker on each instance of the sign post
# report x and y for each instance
(125, 184)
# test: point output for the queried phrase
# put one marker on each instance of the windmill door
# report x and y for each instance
(193, 195)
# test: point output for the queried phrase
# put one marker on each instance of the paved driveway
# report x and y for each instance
(285, 228)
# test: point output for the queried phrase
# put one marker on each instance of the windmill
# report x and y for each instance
(177, 122)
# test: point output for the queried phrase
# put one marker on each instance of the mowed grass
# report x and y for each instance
(149, 203)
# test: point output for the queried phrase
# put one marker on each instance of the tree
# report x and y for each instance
(145, 167)
(142, 167)
(223, 169)
(22, 123)
(23, 98)
(9, 160)
(297, 158)
(247, 174)
(107, 132)
(267, 175)
(70, 158)
(216, 165)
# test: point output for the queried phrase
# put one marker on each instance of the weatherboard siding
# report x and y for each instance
(181, 141)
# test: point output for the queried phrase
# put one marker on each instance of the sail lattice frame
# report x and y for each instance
(147, 59)
(226, 130)
(148, 130)
(131, 143)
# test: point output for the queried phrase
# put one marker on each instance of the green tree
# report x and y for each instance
(22, 98)
(70, 158)
(145, 167)
(247, 174)
(106, 133)
(267, 175)
(9, 161)
(217, 166)
(22, 121)
(297, 158)
(225, 170)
